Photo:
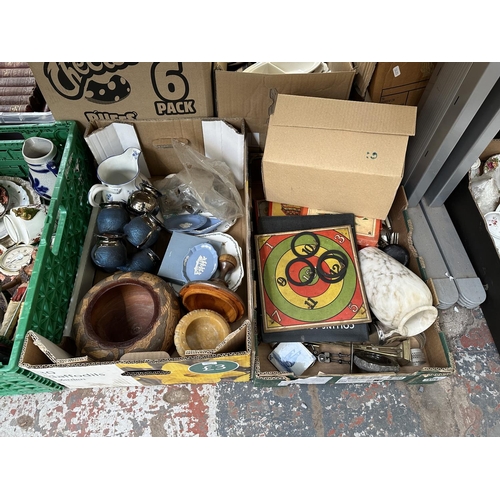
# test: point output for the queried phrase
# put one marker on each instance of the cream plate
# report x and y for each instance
(493, 223)
(229, 245)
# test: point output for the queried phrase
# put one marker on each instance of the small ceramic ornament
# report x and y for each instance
(201, 263)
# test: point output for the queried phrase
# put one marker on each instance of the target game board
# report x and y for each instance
(310, 279)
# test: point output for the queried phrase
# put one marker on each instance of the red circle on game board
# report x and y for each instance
(315, 289)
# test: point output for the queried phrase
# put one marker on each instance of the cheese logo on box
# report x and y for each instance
(124, 90)
(89, 80)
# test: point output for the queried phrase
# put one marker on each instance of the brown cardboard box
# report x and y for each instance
(399, 83)
(364, 73)
(234, 358)
(439, 361)
(87, 92)
(334, 155)
(252, 96)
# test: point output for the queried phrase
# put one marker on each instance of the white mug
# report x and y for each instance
(25, 224)
(41, 156)
(119, 176)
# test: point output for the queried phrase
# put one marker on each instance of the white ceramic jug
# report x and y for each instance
(119, 176)
(42, 158)
(399, 299)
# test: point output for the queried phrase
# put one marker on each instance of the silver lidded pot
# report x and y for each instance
(144, 200)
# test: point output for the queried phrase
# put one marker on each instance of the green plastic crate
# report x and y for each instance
(51, 284)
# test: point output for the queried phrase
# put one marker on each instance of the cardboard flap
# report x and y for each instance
(53, 352)
(233, 342)
(155, 138)
(335, 114)
(145, 356)
(114, 140)
(225, 143)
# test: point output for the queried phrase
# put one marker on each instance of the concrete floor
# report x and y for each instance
(466, 404)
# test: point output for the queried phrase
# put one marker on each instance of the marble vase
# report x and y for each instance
(399, 299)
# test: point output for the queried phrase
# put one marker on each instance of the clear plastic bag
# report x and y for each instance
(204, 185)
(485, 191)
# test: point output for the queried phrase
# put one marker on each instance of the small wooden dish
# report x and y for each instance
(202, 329)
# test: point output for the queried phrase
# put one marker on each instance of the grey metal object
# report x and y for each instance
(435, 265)
(481, 130)
(470, 289)
(450, 102)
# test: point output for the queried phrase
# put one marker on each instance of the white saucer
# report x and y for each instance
(229, 245)
(493, 223)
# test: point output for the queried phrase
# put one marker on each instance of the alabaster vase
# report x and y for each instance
(399, 299)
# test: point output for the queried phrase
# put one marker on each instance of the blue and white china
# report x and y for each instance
(185, 222)
(201, 263)
(41, 155)
(119, 177)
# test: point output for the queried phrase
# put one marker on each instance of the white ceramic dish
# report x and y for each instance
(493, 223)
(229, 245)
(20, 194)
(280, 68)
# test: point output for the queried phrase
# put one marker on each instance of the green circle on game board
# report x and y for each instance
(214, 367)
(339, 302)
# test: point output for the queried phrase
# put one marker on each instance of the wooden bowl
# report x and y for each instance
(126, 312)
(202, 329)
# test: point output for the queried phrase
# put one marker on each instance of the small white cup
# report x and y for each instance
(41, 156)
(25, 224)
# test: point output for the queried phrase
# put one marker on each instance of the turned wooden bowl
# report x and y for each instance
(126, 312)
(202, 329)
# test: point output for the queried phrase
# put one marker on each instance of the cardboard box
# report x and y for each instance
(440, 363)
(252, 96)
(334, 155)
(233, 360)
(399, 83)
(87, 92)
(364, 73)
